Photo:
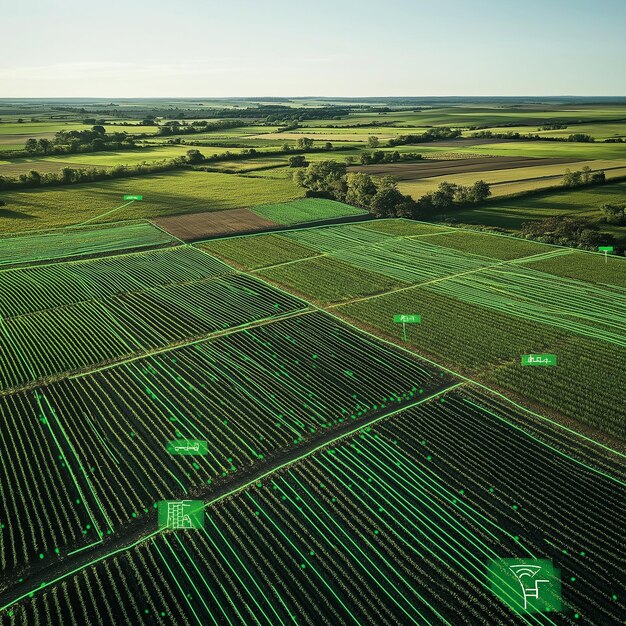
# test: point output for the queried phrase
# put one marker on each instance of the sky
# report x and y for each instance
(208, 48)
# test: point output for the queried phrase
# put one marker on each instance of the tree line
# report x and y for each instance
(380, 195)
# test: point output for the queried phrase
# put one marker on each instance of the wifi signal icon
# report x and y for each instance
(530, 571)
(526, 585)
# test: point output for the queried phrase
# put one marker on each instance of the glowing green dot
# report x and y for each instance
(312, 553)
(376, 532)
(576, 615)
(303, 565)
(429, 458)
(582, 553)
(573, 578)
(56, 551)
(41, 555)
(614, 597)
(515, 507)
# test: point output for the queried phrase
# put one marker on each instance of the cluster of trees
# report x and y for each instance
(582, 177)
(201, 126)
(71, 175)
(567, 231)
(614, 214)
(73, 141)
(450, 196)
(575, 137)
(381, 196)
(432, 134)
(553, 126)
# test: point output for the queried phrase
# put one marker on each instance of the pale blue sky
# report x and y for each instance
(143, 48)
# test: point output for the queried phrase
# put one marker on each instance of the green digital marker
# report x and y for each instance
(404, 319)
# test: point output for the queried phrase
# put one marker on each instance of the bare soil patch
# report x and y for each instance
(210, 223)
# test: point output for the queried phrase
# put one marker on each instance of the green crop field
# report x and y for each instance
(308, 210)
(329, 280)
(329, 421)
(169, 193)
(57, 244)
(477, 282)
(93, 159)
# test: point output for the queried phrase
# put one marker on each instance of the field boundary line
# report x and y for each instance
(471, 381)
(93, 219)
(437, 280)
(348, 433)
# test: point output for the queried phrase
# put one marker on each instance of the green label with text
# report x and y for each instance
(606, 248)
(413, 318)
(539, 359)
(133, 197)
(187, 447)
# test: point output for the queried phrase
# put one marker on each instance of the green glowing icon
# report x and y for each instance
(539, 359)
(606, 250)
(133, 197)
(404, 319)
(181, 514)
(526, 585)
(187, 447)
(407, 319)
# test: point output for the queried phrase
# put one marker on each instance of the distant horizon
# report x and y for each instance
(323, 97)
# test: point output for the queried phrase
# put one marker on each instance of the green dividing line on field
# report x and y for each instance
(349, 433)
(246, 485)
(467, 379)
(97, 217)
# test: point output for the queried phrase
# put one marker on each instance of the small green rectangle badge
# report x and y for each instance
(407, 319)
(133, 197)
(180, 514)
(187, 447)
(605, 249)
(539, 359)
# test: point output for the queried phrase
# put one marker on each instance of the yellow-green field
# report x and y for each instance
(169, 193)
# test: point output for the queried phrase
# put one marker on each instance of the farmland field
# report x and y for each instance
(337, 397)
(169, 193)
(406, 509)
(461, 292)
(512, 213)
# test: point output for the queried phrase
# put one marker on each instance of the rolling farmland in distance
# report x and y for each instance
(342, 396)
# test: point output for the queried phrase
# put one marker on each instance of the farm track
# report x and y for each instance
(37, 578)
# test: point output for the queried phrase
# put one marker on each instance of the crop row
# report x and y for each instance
(72, 242)
(37, 288)
(572, 305)
(90, 333)
(395, 525)
(586, 384)
(251, 395)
